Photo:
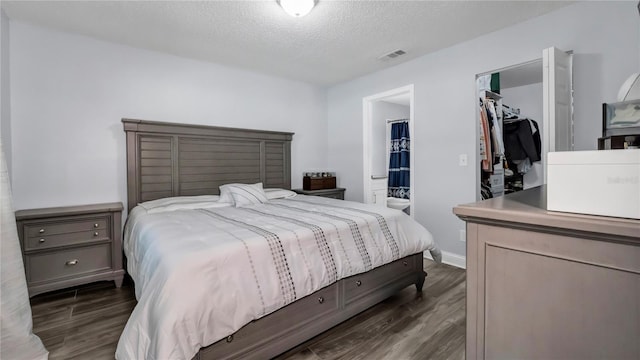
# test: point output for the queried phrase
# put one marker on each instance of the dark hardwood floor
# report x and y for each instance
(86, 322)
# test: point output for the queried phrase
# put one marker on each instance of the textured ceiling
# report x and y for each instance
(337, 41)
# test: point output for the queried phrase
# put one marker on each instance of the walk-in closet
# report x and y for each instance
(523, 112)
(510, 113)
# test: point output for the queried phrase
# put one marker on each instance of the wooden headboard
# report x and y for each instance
(169, 159)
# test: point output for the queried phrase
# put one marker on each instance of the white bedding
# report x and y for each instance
(202, 273)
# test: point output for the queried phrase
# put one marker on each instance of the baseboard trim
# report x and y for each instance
(450, 259)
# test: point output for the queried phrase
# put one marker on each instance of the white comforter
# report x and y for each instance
(204, 271)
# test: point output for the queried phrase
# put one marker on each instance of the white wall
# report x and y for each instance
(5, 103)
(528, 99)
(70, 92)
(382, 111)
(605, 39)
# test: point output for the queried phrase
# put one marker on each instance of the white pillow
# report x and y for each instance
(225, 194)
(244, 194)
(275, 193)
(148, 205)
(188, 206)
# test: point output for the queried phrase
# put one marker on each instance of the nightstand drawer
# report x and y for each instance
(336, 195)
(33, 230)
(78, 238)
(65, 263)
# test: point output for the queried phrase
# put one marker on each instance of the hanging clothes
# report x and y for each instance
(486, 155)
(399, 171)
(497, 133)
(522, 143)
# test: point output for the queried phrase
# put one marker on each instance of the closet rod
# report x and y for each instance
(398, 120)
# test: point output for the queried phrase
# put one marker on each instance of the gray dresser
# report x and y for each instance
(69, 246)
(550, 285)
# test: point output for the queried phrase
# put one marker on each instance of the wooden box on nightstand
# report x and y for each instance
(69, 246)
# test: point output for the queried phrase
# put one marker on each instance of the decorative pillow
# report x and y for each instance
(279, 193)
(244, 194)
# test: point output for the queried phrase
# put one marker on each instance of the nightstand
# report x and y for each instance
(72, 245)
(337, 193)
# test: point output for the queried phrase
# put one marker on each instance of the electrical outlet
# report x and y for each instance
(463, 160)
(463, 235)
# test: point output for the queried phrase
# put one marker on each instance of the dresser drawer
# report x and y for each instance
(360, 285)
(49, 241)
(66, 263)
(40, 229)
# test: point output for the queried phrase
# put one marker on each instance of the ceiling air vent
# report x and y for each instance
(392, 55)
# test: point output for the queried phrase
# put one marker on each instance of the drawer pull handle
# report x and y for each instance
(229, 338)
(72, 262)
(358, 283)
(41, 241)
(95, 225)
(320, 300)
(41, 231)
(95, 233)
(405, 263)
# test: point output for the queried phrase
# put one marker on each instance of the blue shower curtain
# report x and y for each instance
(399, 170)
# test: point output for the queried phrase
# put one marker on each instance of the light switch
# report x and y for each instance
(462, 160)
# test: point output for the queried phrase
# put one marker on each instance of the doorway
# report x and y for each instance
(536, 96)
(380, 111)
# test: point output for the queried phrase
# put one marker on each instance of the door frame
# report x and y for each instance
(367, 119)
(548, 132)
(475, 89)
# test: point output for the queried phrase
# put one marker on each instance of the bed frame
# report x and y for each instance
(169, 159)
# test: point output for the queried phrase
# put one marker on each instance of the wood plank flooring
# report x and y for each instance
(86, 322)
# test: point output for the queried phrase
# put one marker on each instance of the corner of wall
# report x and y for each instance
(450, 258)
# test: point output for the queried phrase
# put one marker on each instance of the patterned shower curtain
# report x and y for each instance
(399, 171)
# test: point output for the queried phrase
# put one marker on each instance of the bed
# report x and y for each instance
(176, 171)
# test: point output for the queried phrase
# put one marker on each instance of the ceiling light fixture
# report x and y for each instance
(297, 8)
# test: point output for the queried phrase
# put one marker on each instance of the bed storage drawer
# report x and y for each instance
(308, 317)
(320, 304)
(71, 245)
(359, 286)
(60, 264)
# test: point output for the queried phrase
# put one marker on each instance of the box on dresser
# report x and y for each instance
(72, 245)
(599, 182)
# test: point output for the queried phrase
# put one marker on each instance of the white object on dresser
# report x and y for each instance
(602, 182)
